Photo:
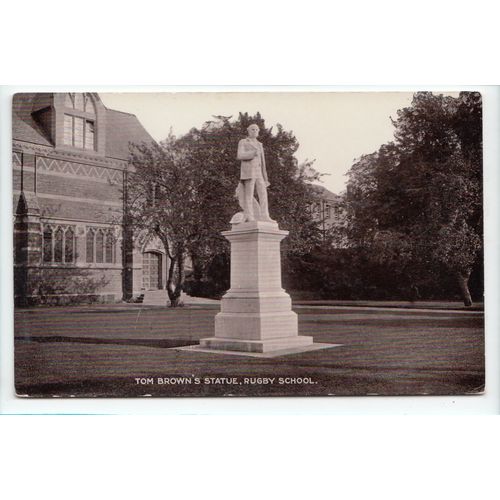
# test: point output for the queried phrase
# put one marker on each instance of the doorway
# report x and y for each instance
(151, 270)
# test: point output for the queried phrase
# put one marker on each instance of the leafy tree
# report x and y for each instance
(212, 152)
(416, 202)
(163, 198)
(183, 190)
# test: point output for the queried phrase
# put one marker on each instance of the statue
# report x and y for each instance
(253, 176)
(256, 314)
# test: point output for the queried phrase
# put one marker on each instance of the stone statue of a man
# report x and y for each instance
(253, 175)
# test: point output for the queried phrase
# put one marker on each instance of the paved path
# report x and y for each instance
(400, 310)
(398, 304)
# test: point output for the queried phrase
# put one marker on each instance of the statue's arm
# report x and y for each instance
(264, 169)
(243, 153)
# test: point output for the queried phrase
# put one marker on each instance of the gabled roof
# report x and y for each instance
(121, 128)
(24, 127)
(324, 193)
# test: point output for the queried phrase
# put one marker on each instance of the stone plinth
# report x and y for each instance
(256, 313)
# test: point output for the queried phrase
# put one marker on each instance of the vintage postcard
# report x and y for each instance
(248, 244)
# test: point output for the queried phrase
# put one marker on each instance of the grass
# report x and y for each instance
(100, 351)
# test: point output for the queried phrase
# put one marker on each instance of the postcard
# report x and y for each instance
(185, 244)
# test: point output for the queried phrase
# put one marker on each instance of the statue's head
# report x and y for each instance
(253, 131)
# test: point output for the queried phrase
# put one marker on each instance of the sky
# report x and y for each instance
(332, 128)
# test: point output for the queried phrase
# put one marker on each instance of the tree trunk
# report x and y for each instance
(181, 275)
(176, 278)
(170, 283)
(463, 283)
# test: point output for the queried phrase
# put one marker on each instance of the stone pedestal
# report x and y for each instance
(256, 313)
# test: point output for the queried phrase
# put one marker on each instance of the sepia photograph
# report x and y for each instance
(227, 244)
(253, 239)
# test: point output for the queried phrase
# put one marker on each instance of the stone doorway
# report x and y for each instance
(152, 271)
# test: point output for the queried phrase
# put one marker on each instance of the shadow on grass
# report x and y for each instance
(154, 343)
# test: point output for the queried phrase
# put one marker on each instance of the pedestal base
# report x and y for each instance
(256, 313)
(268, 345)
(270, 354)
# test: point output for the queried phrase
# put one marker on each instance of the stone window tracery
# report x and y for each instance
(80, 102)
(58, 244)
(47, 244)
(90, 245)
(101, 245)
(109, 246)
(69, 245)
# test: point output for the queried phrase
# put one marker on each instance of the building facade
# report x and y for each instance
(71, 242)
(329, 210)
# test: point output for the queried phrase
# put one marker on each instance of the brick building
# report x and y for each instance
(329, 210)
(70, 157)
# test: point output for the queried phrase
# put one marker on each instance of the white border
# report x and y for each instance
(489, 403)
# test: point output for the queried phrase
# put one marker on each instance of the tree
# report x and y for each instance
(212, 153)
(182, 190)
(164, 198)
(416, 202)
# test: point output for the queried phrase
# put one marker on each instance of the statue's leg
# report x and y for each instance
(262, 194)
(249, 186)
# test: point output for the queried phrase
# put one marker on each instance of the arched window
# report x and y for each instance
(99, 247)
(47, 244)
(90, 245)
(58, 245)
(79, 121)
(80, 102)
(69, 245)
(110, 247)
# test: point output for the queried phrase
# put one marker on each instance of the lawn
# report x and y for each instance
(129, 350)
